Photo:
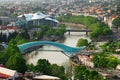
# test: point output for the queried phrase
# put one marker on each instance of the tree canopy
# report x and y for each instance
(12, 58)
(82, 73)
(82, 42)
(43, 66)
(105, 61)
(116, 22)
(17, 62)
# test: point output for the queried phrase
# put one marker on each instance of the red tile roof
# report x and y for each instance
(4, 76)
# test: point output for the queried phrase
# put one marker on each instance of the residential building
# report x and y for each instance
(86, 60)
(7, 20)
(8, 74)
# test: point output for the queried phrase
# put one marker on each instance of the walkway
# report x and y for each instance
(30, 45)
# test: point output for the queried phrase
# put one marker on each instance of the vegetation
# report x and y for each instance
(116, 22)
(49, 32)
(93, 46)
(44, 66)
(82, 42)
(43, 32)
(21, 36)
(82, 73)
(111, 47)
(103, 60)
(99, 29)
(16, 62)
(12, 58)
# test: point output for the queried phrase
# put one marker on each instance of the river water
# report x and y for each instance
(56, 57)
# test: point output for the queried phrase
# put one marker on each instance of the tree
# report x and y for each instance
(3, 58)
(82, 73)
(87, 21)
(92, 74)
(58, 71)
(59, 33)
(113, 62)
(79, 72)
(97, 31)
(49, 32)
(95, 60)
(107, 31)
(116, 22)
(17, 62)
(12, 49)
(31, 67)
(43, 66)
(82, 42)
(12, 36)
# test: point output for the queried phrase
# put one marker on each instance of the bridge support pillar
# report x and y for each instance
(69, 33)
(86, 33)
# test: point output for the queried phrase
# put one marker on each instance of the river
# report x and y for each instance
(56, 57)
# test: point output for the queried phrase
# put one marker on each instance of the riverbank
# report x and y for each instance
(73, 24)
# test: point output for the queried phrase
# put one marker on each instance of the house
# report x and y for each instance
(6, 20)
(6, 73)
(86, 60)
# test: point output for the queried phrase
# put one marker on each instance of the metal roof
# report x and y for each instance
(65, 48)
(36, 16)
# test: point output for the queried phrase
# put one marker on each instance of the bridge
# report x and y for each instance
(31, 46)
(82, 30)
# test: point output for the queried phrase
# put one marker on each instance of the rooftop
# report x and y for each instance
(36, 16)
(6, 73)
(46, 77)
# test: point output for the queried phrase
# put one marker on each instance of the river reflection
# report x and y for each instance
(55, 57)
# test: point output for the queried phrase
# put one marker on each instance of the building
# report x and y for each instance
(86, 60)
(118, 67)
(8, 74)
(7, 20)
(45, 77)
(36, 19)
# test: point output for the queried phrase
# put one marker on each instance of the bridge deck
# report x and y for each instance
(72, 30)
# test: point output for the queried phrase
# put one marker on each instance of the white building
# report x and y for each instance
(86, 60)
(37, 19)
(46, 77)
(8, 74)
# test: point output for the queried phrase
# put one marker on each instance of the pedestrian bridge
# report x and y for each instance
(31, 46)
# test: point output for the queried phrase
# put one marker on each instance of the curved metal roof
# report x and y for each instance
(52, 20)
(68, 49)
(39, 16)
